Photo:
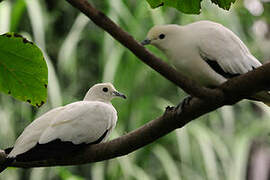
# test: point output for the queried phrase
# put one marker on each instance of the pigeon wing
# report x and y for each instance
(80, 122)
(224, 51)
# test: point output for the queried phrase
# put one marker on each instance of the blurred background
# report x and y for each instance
(231, 143)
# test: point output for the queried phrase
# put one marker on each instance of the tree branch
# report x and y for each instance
(230, 92)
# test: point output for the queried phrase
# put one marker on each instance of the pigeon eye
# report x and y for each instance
(105, 89)
(161, 36)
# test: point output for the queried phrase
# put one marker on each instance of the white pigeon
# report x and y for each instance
(206, 52)
(68, 128)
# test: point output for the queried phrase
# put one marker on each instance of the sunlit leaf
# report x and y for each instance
(23, 70)
(188, 6)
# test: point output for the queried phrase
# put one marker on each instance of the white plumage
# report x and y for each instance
(204, 51)
(75, 125)
(81, 122)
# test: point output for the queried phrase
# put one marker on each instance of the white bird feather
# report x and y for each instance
(222, 45)
(206, 52)
(72, 123)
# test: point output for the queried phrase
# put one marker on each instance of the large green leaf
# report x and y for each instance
(188, 6)
(23, 70)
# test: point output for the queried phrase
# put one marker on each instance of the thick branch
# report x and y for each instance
(229, 93)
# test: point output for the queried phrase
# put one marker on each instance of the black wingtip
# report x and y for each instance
(6, 163)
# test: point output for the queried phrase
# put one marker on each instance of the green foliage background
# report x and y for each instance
(79, 54)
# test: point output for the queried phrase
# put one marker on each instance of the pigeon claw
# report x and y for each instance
(182, 105)
(169, 108)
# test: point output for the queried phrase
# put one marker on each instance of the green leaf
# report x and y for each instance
(23, 69)
(185, 6)
(225, 4)
(188, 6)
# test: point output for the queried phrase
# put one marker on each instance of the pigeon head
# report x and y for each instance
(161, 36)
(104, 92)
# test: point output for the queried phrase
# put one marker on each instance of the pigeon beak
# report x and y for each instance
(146, 42)
(118, 94)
